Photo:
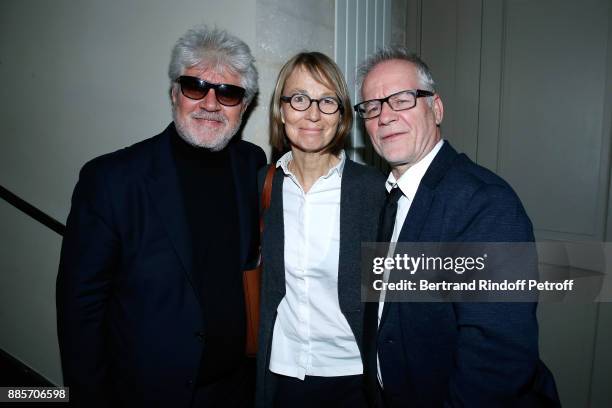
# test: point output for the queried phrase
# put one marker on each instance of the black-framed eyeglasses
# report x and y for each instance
(196, 88)
(301, 102)
(398, 101)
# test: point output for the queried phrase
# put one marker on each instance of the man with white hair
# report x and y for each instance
(460, 354)
(149, 292)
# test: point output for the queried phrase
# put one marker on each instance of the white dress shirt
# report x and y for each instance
(311, 335)
(409, 184)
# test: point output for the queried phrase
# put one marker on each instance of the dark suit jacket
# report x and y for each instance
(362, 195)
(130, 322)
(459, 354)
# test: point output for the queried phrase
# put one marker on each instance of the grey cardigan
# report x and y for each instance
(361, 198)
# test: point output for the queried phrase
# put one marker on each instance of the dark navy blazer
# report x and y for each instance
(130, 323)
(459, 354)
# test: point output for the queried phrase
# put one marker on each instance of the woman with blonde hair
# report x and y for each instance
(323, 206)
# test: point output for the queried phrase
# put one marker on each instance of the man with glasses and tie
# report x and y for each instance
(149, 292)
(442, 354)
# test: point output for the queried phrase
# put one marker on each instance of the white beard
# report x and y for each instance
(190, 135)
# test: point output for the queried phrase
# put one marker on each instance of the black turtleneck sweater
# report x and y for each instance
(209, 195)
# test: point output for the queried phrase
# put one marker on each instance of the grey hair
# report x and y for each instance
(217, 48)
(397, 53)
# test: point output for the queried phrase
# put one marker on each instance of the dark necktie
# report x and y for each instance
(387, 216)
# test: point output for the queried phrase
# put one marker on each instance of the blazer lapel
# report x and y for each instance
(415, 220)
(419, 209)
(349, 271)
(411, 230)
(274, 236)
(412, 226)
(167, 198)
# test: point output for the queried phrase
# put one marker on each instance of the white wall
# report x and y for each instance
(284, 28)
(527, 90)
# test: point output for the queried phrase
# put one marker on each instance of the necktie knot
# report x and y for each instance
(394, 196)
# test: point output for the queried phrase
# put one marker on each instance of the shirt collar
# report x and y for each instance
(410, 180)
(283, 163)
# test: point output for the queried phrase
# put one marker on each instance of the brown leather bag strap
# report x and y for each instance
(266, 195)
